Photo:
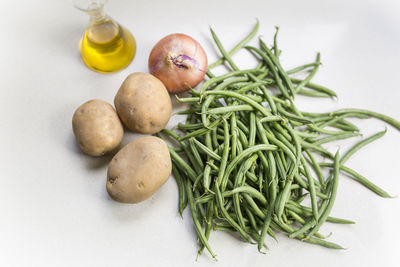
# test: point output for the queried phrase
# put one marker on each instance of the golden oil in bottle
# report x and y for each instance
(107, 47)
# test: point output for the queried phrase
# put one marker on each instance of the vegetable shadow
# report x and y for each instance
(90, 162)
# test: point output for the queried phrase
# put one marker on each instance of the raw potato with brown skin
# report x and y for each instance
(97, 128)
(143, 103)
(138, 170)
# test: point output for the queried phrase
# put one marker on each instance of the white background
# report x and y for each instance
(54, 209)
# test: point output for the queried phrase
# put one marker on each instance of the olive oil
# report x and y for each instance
(107, 47)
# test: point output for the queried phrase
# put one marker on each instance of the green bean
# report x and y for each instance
(307, 212)
(247, 152)
(205, 149)
(301, 198)
(276, 62)
(252, 129)
(306, 135)
(252, 176)
(345, 126)
(281, 145)
(339, 220)
(302, 67)
(196, 221)
(292, 116)
(182, 164)
(271, 119)
(188, 111)
(253, 205)
(281, 170)
(211, 81)
(285, 219)
(220, 130)
(241, 156)
(228, 204)
(306, 92)
(301, 231)
(310, 76)
(204, 199)
(244, 171)
(242, 138)
(296, 141)
(242, 127)
(295, 187)
(335, 138)
(314, 127)
(320, 119)
(201, 210)
(221, 207)
(271, 164)
(251, 86)
(276, 50)
(187, 99)
(323, 243)
(361, 144)
(331, 121)
(197, 181)
(250, 216)
(225, 154)
(316, 87)
(222, 50)
(267, 96)
(196, 155)
(373, 114)
(266, 224)
(210, 215)
(281, 131)
(182, 197)
(271, 66)
(311, 186)
(283, 102)
(206, 177)
(297, 217)
(210, 99)
(238, 178)
(261, 177)
(316, 148)
(214, 137)
(201, 131)
(238, 46)
(190, 127)
(331, 200)
(178, 149)
(234, 134)
(226, 109)
(316, 168)
(246, 99)
(262, 77)
(284, 195)
(361, 179)
(248, 190)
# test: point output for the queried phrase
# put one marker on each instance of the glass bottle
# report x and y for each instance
(106, 46)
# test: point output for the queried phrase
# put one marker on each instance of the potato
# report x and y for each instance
(97, 128)
(138, 170)
(143, 103)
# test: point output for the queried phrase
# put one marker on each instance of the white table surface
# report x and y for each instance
(54, 209)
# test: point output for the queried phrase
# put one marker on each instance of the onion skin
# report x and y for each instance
(179, 61)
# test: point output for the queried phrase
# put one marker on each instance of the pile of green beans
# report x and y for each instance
(246, 159)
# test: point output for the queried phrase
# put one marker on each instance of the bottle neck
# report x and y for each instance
(97, 15)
